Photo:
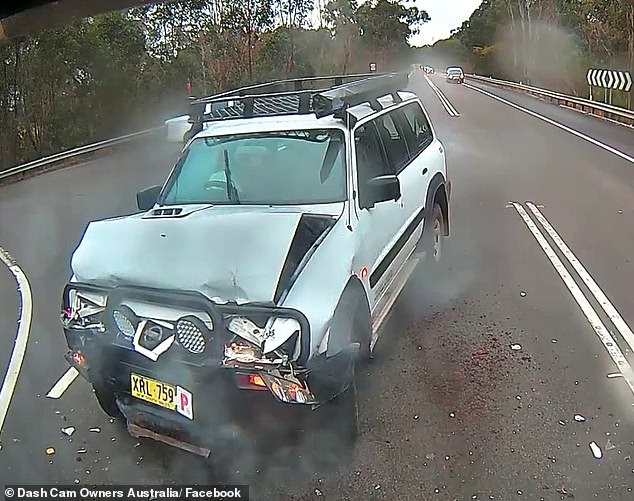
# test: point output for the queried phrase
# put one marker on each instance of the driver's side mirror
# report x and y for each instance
(146, 198)
(382, 189)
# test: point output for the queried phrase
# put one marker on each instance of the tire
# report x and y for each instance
(435, 234)
(107, 401)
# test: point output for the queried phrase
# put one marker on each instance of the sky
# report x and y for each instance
(445, 16)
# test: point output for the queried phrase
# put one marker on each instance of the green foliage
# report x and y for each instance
(550, 42)
(122, 71)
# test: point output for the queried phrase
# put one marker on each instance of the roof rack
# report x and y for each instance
(291, 97)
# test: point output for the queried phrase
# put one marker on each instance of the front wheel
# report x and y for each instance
(436, 233)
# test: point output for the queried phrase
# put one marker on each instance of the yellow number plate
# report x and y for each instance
(153, 391)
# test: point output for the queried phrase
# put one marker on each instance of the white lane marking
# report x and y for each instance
(443, 99)
(605, 303)
(616, 152)
(22, 336)
(608, 341)
(63, 383)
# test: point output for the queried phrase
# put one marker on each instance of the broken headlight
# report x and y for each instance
(84, 309)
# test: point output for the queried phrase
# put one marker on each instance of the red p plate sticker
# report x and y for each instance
(184, 403)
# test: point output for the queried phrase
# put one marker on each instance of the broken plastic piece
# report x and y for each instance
(81, 451)
(615, 374)
(596, 450)
(523, 294)
(318, 492)
(68, 431)
(516, 347)
(609, 446)
(50, 451)
(579, 418)
(96, 429)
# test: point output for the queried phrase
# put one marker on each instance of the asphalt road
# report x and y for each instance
(448, 409)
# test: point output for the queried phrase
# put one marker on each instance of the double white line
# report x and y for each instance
(593, 318)
(443, 99)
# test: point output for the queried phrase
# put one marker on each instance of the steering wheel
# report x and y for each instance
(217, 185)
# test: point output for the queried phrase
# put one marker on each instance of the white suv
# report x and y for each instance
(269, 259)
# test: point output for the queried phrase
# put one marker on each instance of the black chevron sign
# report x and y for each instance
(610, 79)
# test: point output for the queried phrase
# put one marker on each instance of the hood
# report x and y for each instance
(225, 253)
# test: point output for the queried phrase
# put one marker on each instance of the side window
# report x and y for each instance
(370, 159)
(391, 132)
(417, 129)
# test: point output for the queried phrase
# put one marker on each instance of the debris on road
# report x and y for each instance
(452, 415)
(68, 431)
(562, 422)
(554, 341)
(76, 480)
(377, 487)
(596, 450)
(565, 492)
(609, 445)
(96, 429)
(416, 416)
(523, 294)
(82, 450)
(318, 492)
(516, 347)
(579, 418)
(615, 374)
(50, 451)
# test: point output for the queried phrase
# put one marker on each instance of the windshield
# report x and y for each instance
(455, 71)
(298, 167)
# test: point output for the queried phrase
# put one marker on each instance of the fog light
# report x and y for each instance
(125, 320)
(190, 332)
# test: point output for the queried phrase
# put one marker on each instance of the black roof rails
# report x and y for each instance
(291, 97)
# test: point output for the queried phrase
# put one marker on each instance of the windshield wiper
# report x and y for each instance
(232, 193)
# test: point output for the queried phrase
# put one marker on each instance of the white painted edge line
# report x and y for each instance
(63, 383)
(593, 318)
(616, 152)
(605, 303)
(442, 98)
(22, 336)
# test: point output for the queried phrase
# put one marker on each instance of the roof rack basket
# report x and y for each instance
(323, 96)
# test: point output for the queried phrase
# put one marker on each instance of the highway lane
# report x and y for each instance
(448, 409)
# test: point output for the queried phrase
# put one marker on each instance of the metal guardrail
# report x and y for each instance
(615, 113)
(64, 156)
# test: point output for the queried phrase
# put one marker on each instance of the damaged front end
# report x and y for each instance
(171, 344)
(254, 370)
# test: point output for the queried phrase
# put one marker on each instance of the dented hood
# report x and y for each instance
(223, 253)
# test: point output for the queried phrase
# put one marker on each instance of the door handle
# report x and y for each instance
(425, 170)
